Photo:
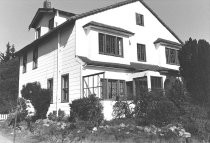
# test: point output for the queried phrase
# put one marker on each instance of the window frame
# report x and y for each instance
(115, 46)
(35, 58)
(139, 19)
(50, 87)
(141, 56)
(168, 56)
(64, 90)
(25, 62)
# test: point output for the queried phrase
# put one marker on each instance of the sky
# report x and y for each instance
(187, 18)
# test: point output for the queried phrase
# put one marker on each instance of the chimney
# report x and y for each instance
(47, 4)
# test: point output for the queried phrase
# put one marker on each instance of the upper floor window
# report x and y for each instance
(110, 45)
(24, 62)
(65, 88)
(35, 58)
(50, 87)
(38, 32)
(139, 19)
(51, 23)
(172, 56)
(141, 52)
(156, 83)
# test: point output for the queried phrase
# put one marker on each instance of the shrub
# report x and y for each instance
(155, 108)
(40, 98)
(87, 109)
(61, 116)
(122, 109)
(20, 112)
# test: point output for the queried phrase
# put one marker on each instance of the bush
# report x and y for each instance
(61, 116)
(87, 109)
(20, 112)
(40, 98)
(155, 108)
(122, 109)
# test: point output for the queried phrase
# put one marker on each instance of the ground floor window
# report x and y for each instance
(156, 83)
(113, 89)
(92, 84)
(65, 88)
(50, 87)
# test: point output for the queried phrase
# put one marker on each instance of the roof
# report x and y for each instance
(136, 67)
(79, 16)
(41, 11)
(167, 42)
(105, 64)
(100, 25)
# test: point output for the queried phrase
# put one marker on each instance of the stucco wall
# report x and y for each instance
(124, 17)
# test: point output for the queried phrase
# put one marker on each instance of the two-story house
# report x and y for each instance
(110, 52)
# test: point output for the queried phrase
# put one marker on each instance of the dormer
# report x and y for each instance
(47, 18)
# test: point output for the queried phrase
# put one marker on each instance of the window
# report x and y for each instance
(50, 87)
(110, 45)
(38, 32)
(65, 88)
(35, 58)
(24, 62)
(156, 82)
(141, 52)
(51, 23)
(92, 84)
(139, 19)
(113, 89)
(172, 56)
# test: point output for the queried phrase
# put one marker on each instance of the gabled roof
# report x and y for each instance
(79, 16)
(42, 11)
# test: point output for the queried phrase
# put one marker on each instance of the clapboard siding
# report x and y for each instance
(48, 53)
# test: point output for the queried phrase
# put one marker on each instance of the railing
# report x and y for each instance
(3, 116)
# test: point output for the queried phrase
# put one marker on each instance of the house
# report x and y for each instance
(110, 52)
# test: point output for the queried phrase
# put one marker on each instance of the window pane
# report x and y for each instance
(139, 19)
(101, 42)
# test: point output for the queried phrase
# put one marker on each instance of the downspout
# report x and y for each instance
(56, 106)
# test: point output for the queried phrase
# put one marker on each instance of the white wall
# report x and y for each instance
(124, 17)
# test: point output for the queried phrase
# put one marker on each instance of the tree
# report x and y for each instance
(9, 54)
(195, 69)
(9, 73)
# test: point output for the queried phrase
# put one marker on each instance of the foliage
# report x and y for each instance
(9, 54)
(195, 69)
(87, 109)
(161, 111)
(9, 72)
(122, 109)
(61, 116)
(20, 113)
(40, 98)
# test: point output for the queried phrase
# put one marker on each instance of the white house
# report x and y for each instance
(110, 52)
